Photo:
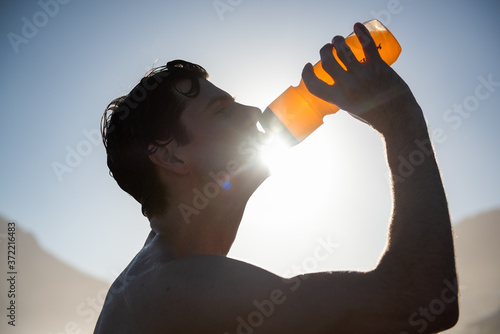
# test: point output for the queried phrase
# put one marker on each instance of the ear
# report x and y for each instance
(167, 157)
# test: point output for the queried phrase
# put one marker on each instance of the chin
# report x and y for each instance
(250, 177)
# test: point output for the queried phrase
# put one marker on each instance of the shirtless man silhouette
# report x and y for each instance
(167, 138)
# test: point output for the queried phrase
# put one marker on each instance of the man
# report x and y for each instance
(174, 143)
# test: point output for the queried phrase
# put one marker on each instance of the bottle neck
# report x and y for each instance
(275, 127)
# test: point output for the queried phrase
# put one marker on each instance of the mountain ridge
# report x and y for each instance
(52, 297)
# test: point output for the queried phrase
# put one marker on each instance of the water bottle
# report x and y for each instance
(296, 113)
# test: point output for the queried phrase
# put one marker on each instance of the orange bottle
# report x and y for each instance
(296, 113)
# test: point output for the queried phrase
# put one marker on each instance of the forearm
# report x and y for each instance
(420, 255)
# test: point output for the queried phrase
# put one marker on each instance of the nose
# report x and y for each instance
(250, 114)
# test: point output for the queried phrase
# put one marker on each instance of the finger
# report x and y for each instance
(344, 52)
(315, 85)
(329, 63)
(368, 44)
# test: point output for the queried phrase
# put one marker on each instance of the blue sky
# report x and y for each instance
(79, 55)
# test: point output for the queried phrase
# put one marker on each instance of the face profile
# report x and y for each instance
(223, 136)
(223, 154)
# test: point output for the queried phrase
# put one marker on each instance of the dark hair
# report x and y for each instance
(149, 114)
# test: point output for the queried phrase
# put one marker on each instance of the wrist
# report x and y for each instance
(404, 122)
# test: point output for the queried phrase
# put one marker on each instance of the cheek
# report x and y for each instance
(212, 155)
(220, 146)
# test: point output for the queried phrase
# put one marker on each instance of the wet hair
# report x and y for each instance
(135, 125)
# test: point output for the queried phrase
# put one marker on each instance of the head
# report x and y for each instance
(158, 129)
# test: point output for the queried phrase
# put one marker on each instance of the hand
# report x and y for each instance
(370, 91)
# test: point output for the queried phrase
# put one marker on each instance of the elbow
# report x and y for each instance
(436, 316)
(450, 317)
(447, 320)
(446, 306)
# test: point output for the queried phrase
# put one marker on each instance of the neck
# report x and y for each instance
(199, 224)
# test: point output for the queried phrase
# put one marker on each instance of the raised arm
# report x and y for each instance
(419, 261)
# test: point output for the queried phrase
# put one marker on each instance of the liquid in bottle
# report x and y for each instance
(296, 113)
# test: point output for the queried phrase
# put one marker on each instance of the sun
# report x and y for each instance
(274, 154)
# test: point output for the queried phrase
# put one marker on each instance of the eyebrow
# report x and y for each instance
(218, 98)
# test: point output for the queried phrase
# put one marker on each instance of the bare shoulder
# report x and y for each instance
(216, 294)
(203, 293)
